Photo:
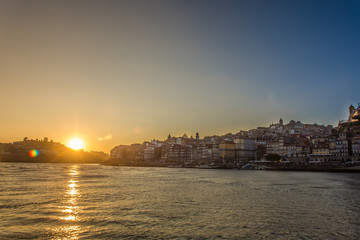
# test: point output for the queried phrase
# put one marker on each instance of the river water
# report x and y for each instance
(70, 201)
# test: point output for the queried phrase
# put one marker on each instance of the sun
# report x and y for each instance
(76, 144)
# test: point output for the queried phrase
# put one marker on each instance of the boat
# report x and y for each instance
(251, 166)
(208, 166)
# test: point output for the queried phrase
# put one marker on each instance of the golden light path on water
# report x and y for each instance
(70, 208)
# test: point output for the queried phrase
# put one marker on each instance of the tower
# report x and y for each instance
(351, 112)
(281, 122)
(197, 136)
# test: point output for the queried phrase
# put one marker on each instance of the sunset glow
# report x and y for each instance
(140, 119)
(76, 144)
(117, 72)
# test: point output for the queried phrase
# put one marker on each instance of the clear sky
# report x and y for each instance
(119, 72)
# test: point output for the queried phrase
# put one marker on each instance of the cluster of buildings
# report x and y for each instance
(186, 150)
(294, 141)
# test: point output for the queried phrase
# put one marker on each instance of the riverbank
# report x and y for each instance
(254, 165)
(315, 167)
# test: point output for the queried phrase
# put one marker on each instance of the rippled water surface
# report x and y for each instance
(69, 201)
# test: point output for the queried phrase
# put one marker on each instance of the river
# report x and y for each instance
(72, 201)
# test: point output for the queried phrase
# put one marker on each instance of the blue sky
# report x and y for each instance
(134, 70)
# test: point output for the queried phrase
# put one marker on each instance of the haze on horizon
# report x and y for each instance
(118, 72)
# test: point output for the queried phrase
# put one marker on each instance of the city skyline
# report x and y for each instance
(121, 72)
(76, 143)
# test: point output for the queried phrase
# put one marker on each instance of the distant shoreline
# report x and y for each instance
(352, 167)
(294, 167)
(22, 161)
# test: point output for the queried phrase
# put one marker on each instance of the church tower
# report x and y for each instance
(351, 112)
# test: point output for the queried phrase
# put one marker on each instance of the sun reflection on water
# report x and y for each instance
(72, 191)
(70, 207)
(73, 171)
(67, 232)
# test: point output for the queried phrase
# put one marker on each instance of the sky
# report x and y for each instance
(120, 72)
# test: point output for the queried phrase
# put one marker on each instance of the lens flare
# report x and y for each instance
(34, 153)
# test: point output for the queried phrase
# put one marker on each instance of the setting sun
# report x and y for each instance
(76, 144)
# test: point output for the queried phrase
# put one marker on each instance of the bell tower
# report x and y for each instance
(351, 112)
